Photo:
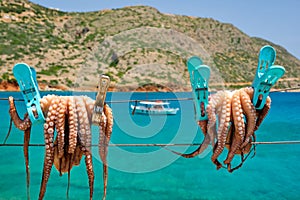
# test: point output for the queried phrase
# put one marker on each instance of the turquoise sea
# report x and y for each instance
(154, 173)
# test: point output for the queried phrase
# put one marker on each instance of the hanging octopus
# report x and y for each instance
(71, 117)
(232, 121)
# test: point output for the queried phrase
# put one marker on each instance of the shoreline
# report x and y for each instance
(135, 91)
(14, 87)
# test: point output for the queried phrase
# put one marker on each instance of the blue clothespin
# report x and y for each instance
(100, 99)
(266, 76)
(199, 78)
(26, 77)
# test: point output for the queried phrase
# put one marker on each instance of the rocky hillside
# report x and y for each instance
(138, 47)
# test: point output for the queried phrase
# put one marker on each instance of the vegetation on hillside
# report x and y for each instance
(135, 46)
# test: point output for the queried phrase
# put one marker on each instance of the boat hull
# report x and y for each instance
(145, 111)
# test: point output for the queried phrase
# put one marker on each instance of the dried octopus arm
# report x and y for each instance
(57, 160)
(202, 147)
(68, 160)
(60, 125)
(26, 156)
(108, 131)
(250, 113)
(89, 105)
(199, 150)
(239, 126)
(73, 122)
(263, 113)
(203, 126)
(249, 91)
(90, 172)
(19, 123)
(214, 107)
(84, 135)
(24, 125)
(109, 123)
(208, 127)
(77, 155)
(102, 149)
(49, 145)
(84, 130)
(224, 122)
(45, 103)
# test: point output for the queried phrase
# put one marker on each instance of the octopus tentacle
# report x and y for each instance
(250, 113)
(208, 127)
(84, 133)
(49, 145)
(77, 155)
(212, 109)
(203, 126)
(224, 121)
(60, 125)
(102, 149)
(73, 125)
(249, 91)
(263, 113)
(57, 161)
(108, 130)
(89, 105)
(26, 156)
(90, 172)
(68, 160)
(24, 125)
(199, 150)
(45, 103)
(19, 123)
(204, 144)
(239, 126)
(108, 113)
(84, 129)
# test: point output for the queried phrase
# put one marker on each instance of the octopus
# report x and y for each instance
(232, 122)
(71, 117)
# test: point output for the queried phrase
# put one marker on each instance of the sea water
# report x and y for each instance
(154, 172)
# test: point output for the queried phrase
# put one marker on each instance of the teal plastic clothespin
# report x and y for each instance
(199, 78)
(26, 77)
(266, 76)
(100, 99)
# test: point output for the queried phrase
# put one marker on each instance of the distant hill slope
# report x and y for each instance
(136, 46)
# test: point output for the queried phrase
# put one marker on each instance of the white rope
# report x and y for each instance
(160, 145)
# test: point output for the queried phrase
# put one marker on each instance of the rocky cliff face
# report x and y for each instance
(136, 46)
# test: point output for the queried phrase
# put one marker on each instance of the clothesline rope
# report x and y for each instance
(163, 145)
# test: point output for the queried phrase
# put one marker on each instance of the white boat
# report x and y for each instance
(154, 107)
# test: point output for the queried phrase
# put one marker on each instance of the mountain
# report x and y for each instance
(138, 47)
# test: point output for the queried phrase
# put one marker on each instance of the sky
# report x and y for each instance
(274, 20)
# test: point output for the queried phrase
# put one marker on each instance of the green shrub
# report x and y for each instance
(114, 63)
(53, 82)
(52, 70)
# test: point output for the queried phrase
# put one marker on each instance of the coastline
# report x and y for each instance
(13, 87)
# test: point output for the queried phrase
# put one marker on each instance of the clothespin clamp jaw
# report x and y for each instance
(26, 78)
(266, 76)
(100, 99)
(199, 78)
